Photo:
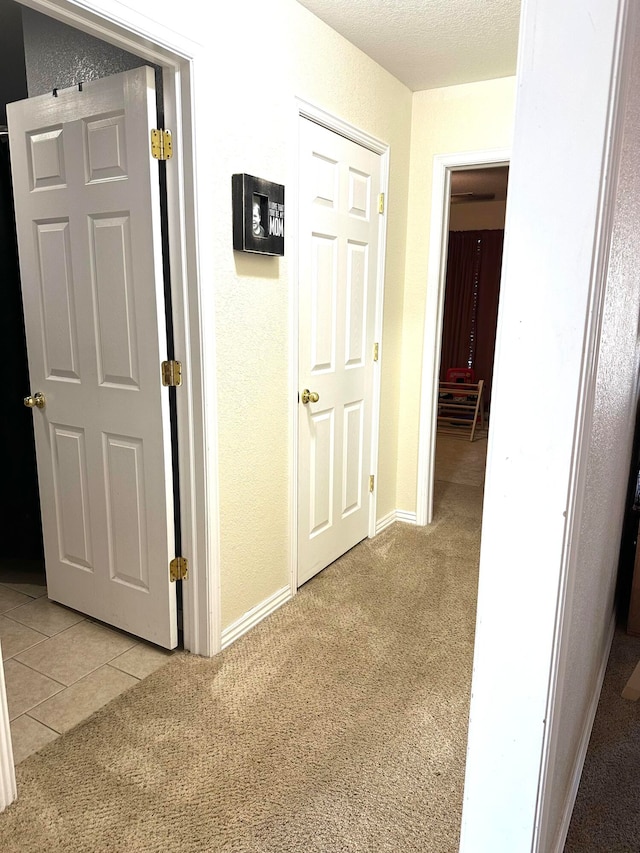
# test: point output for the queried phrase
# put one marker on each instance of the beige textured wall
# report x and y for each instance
(470, 117)
(477, 215)
(263, 56)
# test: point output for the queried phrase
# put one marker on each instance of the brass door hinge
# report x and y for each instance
(179, 569)
(161, 144)
(171, 373)
(376, 352)
(372, 481)
(381, 203)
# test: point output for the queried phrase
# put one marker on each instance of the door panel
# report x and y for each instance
(338, 244)
(356, 326)
(112, 279)
(71, 496)
(88, 220)
(353, 420)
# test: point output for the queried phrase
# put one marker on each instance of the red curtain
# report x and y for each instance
(474, 262)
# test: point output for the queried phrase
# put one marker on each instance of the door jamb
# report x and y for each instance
(305, 109)
(443, 165)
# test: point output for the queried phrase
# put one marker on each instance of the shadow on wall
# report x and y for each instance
(256, 266)
(13, 78)
(58, 56)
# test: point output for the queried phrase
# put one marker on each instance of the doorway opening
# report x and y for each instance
(175, 60)
(121, 298)
(201, 617)
(469, 191)
(477, 207)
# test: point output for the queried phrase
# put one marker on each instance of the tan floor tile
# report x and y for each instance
(28, 736)
(33, 590)
(46, 616)
(26, 688)
(141, 660)
(9, 599)
(77, 651)
(26, 576)
(83, 698)
(15, 637)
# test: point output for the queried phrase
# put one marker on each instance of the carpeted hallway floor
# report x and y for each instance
(606, 816)
(338, 724)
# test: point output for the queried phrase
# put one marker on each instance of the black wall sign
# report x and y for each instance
(258, 215)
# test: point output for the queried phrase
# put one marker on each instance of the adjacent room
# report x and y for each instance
(471, 292)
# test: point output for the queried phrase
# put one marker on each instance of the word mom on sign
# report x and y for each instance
(276, 219)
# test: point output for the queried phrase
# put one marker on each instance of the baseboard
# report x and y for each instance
(570, 801)
(253, 616)
(406, 517)
(395, 515)
(386, 521)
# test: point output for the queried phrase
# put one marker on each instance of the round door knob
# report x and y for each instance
(36, 401)
(309, 396)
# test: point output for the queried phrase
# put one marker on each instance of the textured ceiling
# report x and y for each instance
(429, 43)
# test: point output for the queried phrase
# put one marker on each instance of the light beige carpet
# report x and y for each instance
(459, 460)
(606, 816)
(337, 724)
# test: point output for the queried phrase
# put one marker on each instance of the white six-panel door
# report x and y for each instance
(339, 185)
(87, 215)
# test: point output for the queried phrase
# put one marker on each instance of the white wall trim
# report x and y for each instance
(406, 517)
(443, 165)
(572, 793)
(305, 109)
(122, 26)
(386, 521)
(8, 790)
(338, 125)
(252, 617)
(390, 518)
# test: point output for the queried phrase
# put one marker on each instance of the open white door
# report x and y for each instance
(88, 221)
(339, 185)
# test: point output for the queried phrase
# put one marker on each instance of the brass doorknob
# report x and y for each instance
(37, 401)
(309, 396)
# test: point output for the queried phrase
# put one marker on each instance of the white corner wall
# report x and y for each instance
(538, 466)
(589, 613)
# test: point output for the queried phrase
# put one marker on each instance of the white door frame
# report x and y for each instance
(304, 109)
(443, 165)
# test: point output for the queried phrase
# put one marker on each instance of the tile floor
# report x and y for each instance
(59, 665)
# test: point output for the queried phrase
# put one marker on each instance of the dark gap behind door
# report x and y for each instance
(171, 354)
(21, 529)
(20, 526)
